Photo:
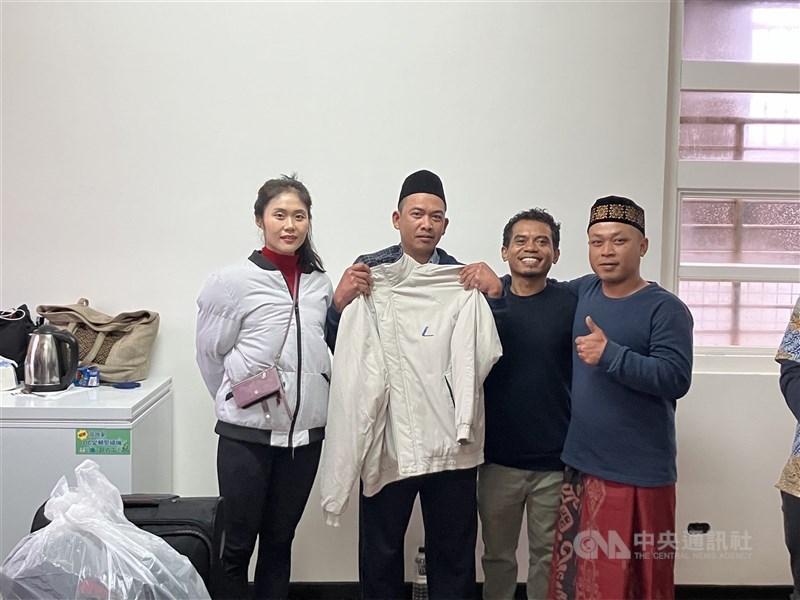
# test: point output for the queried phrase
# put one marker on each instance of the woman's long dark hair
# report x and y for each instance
(308, 259)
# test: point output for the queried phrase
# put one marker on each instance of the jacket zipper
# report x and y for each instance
(450, 389)
(299, 365)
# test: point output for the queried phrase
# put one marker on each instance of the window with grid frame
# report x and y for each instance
(738, 183)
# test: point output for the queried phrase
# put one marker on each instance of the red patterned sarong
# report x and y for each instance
(613, 541)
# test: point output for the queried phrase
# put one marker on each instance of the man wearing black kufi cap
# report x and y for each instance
(420, 219)
(448, 495)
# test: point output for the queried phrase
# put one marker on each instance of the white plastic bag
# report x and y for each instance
(91, 551)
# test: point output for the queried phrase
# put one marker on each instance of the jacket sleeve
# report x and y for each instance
(790, 385)
(332, 319)
(474, 348)
(356, 408)
(218, 324)
(334, 316)
(667, 370)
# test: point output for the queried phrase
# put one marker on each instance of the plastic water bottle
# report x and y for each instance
(419, 587)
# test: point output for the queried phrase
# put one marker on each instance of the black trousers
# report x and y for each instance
(265, 489)
(450, 516)
(791, 528)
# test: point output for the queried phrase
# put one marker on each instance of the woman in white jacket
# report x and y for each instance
(268, 453)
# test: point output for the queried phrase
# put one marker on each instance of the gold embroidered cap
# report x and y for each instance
(617, 209)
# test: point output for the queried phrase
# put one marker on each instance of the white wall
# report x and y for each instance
(735, 433)
(136, 135)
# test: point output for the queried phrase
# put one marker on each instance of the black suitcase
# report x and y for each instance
(193, 526)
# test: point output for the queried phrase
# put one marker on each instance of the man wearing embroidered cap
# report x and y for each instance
(615, 535)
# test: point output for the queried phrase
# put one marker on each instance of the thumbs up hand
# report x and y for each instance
(590, 347)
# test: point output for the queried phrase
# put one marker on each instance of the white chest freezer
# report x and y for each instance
(127, 432)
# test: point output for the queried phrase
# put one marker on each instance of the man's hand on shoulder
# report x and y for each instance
(481, 277)
(590, 347)
(355, 280)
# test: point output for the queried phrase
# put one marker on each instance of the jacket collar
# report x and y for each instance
(263, 262)
(396, 272)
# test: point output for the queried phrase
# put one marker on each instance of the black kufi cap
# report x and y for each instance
(617, 209)
(423, 182)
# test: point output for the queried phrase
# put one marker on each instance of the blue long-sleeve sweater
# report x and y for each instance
(623, 409)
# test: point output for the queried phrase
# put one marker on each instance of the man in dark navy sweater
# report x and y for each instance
(527, 397)
(632, 360)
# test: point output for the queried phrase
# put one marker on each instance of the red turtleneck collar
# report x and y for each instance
(286, 263)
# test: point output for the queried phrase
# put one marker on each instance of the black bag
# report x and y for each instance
(15, 329)
(193, 526)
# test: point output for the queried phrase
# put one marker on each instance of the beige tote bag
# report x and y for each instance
(118, 346)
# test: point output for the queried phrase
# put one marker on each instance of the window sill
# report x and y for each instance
(734, 360)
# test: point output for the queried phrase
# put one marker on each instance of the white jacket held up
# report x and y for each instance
(407, 388)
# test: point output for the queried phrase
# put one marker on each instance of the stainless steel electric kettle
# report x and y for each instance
(52, 359)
